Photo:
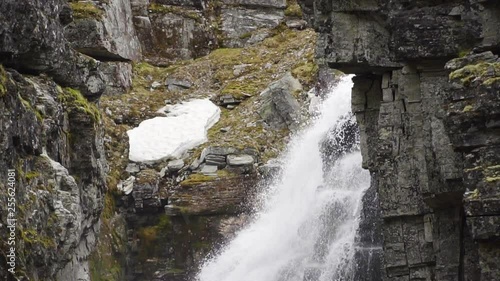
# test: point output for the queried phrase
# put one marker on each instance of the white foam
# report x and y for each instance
(310, 217)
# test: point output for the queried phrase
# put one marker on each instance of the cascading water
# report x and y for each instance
(307, 226)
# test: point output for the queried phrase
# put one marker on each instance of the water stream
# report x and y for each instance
(306, 228)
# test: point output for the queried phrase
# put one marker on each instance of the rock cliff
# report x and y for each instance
(75, 76)
(426, 99)
(52, 141)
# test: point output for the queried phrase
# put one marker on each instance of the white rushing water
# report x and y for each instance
(306, 229)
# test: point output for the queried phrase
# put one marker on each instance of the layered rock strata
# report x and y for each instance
(429, 130)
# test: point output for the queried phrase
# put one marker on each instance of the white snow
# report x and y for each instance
(184, 127)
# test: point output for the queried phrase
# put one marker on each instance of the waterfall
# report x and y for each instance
(306, 228)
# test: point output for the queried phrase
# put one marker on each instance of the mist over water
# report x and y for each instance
(306, 228)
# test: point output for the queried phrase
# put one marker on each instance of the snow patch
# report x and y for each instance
(184, 127)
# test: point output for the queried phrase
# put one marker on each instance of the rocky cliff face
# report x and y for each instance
(76, 75)
(51, 137)
(429, 126)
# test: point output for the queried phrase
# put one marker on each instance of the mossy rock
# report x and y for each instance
(27, 105)
(177, 10)
(486, 72)
(3, 81)
(74, 100)
(86, 10)
(293, 10)
(196, 179)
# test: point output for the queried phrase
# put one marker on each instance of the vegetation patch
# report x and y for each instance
(195, 179)
(106, 260)
(3, 81)
(468, 108)
(86, 10)
(33, 238)
(240, 72)
(177, 10)
(293, 10)
(74, 100)
(484, 71)
(492, 179)
(29, 107)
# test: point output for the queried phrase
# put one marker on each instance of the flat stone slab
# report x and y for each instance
(240, 160)
(209, 170)
(175, 165)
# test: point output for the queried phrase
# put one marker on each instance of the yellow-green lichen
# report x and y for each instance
(3, 81)
(494, 167)
(74, 100)
(492, 179)
(463, 53)
(293, 10)
(177, 10)
(468, 108)
(33, 238)
(492, 81)
(483, 71)
(195, 179)
(474, 194)
(86, 10)
(31, 175)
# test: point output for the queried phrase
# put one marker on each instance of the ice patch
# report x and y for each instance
(184, 127)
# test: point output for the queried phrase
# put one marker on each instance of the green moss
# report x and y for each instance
(463, 53)
(29, 107)
(241, 89)
(3, 81)
(167, 9)
(492, 81)
(474, 194)
(306, 72)
(109, 206)
(86, 10)
(74, 100)
(492, 179)
(33, 238)
(468, 108)
(31, 175)
(481, 71)
(195, 179)
(293, 10)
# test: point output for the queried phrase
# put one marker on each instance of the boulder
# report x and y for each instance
(109, 34)
(279, 108)
(175, 165)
